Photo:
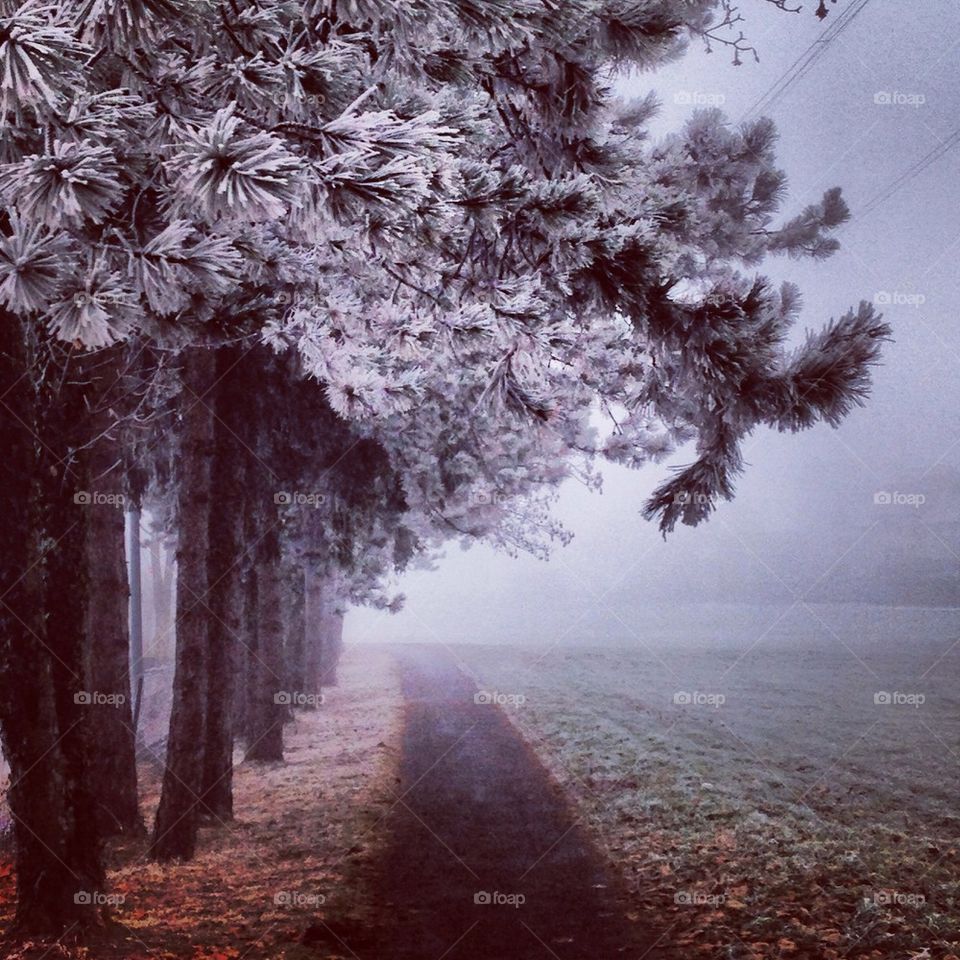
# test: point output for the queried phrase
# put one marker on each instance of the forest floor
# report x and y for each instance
(761, 807)
(416, 834)
(790, 816)
(295, 861)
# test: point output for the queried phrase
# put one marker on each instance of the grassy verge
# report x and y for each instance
(791, 826)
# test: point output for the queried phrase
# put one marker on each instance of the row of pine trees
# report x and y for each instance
(263, 576)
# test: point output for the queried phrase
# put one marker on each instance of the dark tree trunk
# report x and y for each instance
(324, 630)
(114, 769)
(295, 631)
(113, 761)
(134, 572)
(226, 595)
(268, 706)
(65, 427)
(217, 784)
(314, 612)
(49, 724)
(249, 629)
(175, 830)
(57, 856)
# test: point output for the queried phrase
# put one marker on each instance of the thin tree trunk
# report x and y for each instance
(135, 578)
(114, 773)
(175, 830)
(332, 648)
(248, 638)
(226, 568)
(269, 706)
(295, 629)
(314, 607)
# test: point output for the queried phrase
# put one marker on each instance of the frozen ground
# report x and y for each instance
(792, 793)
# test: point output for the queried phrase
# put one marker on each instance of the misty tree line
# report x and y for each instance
(260, 594)
(397, 259)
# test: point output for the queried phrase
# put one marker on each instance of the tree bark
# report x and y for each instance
(324, 630)
(46, 722)
(175, 830)
(295, 630)
(225, 572)
(114, 766)
(135, 586)
(249, 629)
(314, 606)
(57, 854)
(332, 648)
(68, 471)
(113, 773)
(268, 705)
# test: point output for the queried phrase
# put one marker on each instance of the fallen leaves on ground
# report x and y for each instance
(297, 854)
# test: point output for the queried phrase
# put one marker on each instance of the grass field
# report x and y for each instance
(761, 799)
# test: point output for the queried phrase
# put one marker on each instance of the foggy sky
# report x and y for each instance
(820, 484)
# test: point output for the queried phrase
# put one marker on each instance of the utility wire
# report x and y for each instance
(913, 171)
(805, 63)
(807, 60)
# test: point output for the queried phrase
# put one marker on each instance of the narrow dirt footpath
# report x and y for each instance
(484, 859)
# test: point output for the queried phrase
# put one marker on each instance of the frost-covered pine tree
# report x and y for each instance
(440, 207)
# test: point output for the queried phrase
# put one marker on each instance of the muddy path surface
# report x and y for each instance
(485, 859)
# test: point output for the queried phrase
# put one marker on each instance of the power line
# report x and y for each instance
(807, 60)
(913, 171)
